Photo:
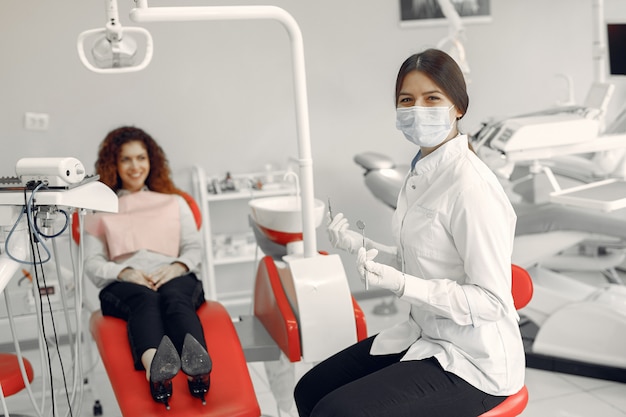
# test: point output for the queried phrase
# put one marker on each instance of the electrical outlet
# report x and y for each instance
(36, 121)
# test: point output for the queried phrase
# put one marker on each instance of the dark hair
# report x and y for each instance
(159, 177)
(443, 70)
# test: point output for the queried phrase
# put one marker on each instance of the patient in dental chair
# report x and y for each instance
(144, 260)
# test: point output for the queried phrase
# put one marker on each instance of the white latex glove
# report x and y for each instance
(380, 275)
(340, 236)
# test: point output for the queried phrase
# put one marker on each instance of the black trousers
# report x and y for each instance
(353, 383)
(152, 314)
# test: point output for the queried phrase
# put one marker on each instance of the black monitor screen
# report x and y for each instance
(617, 48)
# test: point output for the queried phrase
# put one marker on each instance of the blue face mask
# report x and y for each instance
(424, 126)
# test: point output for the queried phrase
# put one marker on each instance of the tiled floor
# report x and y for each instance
(551, 394)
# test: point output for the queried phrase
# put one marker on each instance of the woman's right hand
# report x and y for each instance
(340, 236)
(136, 277)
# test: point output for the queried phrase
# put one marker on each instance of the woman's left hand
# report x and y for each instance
(378, 274)
(166, 273)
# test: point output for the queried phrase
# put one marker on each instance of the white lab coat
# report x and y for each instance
(454, 227)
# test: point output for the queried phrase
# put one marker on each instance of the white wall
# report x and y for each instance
(220, 95)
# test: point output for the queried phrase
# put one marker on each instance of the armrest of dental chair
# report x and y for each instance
(231, 392)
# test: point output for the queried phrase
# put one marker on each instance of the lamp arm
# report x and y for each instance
(143, 13)
(113, 26)
(448, 10)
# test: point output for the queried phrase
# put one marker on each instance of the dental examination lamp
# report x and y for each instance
(114, 50)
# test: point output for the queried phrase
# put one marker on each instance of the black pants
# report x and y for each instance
(353, 383)
(152, 314)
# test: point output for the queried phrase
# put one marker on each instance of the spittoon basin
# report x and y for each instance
(280, 218)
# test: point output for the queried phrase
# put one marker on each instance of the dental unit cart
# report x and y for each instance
(29, 207)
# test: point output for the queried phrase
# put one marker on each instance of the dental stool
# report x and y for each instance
(231, 393)
(11, 381)
(522, 287)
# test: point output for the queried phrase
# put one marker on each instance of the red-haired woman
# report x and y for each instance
(144, 260)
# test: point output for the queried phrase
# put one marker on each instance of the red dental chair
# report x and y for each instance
(231, 393)
(11, 381)
(522, 287)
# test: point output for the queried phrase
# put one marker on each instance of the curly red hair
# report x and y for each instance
(159, 179)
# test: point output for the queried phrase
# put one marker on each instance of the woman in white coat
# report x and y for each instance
(459, 352)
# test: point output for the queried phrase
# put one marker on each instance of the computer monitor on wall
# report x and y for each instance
(616, 36)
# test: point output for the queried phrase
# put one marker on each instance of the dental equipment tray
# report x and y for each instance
(605, 195)
(15, 184)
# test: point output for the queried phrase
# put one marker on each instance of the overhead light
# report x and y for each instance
(109, 53)
(113, 48)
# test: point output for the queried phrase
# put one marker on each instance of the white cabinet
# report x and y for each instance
(230, 250)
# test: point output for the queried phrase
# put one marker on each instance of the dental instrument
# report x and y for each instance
(330, 211)
(361, 225)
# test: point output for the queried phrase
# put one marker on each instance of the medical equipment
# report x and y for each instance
(453, 43)
(517, 134)
(553, 128)
(311, 281)
(25, 217)
(114, 50)
(54, 172)
(382, 176)
(330, 210)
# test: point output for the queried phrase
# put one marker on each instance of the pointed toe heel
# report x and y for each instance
(197, 365)
(165, 365)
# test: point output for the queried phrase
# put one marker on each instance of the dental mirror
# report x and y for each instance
(361, 225)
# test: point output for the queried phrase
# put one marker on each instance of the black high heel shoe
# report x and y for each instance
(165, 365)
(196, 363)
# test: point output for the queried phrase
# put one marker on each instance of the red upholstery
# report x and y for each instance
(272, 308)
(231, 393)
(10, 374)
(511, 407)
(522, 288)
(359, 318)
(195, 210)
